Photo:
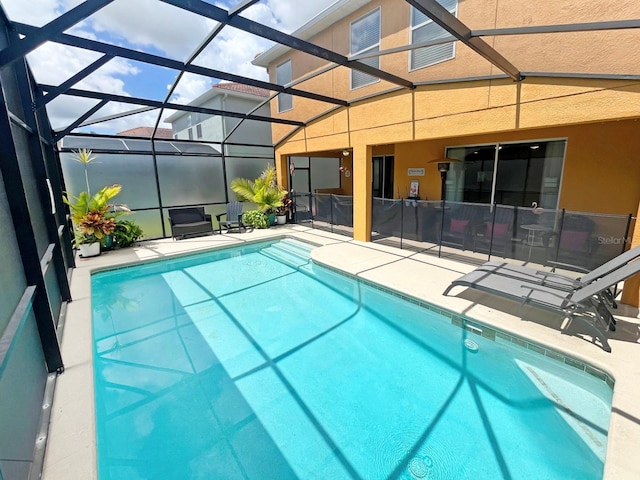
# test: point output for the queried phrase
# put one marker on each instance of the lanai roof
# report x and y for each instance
(194, 42)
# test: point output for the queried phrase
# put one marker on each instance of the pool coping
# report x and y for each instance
(71, 447)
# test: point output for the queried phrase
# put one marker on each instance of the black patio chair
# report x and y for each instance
(189, 221)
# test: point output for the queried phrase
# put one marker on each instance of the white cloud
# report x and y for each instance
(38, 13)
(150, 26)
(173, 31)
(190, 87)
(292, 14)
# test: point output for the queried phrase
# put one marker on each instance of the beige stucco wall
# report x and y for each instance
(598, 117)
(610, 52)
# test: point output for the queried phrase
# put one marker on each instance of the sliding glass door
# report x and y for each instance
(515, 174)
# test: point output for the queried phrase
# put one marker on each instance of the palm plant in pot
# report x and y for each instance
(264, 191)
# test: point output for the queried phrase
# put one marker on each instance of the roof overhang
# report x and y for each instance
(211, 93)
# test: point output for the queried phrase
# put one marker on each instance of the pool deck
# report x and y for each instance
(71, 445)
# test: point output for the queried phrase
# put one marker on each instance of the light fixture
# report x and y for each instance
(534, 147)
(345, 153)
(443, 167)
(444, 163)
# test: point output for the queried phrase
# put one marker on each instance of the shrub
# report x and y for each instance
(126, 233)
(256, 219)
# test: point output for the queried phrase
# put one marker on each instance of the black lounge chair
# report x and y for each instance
(233, 217)
(583, 303)
(189, 221)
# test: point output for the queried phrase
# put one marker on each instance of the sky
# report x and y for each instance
(153, 27)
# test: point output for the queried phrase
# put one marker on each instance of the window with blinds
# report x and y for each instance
(365, 38)
(423, 29)
(284, 77)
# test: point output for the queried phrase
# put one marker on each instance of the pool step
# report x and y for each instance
(296, 246)
(292, 253)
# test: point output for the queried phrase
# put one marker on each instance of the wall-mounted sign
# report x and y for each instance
(415, 172)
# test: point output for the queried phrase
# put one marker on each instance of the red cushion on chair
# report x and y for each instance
(458, 226)
(572, 240)
(500, 230)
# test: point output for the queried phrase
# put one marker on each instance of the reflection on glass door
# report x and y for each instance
(299, 181)
(382, 186)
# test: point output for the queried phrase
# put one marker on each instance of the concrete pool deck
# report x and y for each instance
(71, 445)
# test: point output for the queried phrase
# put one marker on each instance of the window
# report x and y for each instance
(199, 130)
(365, 38)
(507, 173)
(190, 131)
(284, 76)
(423, 29)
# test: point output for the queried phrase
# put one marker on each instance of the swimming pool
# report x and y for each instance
(252, 362)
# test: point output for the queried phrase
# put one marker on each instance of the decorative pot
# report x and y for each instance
(108, 242)
(281, 219)
(272, 219)
(89, 249)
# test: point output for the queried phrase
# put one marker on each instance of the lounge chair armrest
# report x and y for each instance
(207, 217)
(532, 288)
(553, 275)
(220, 215)
(240, 215)
(569, 266)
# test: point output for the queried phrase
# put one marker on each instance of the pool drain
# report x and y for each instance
(418, 467)
(471, 345)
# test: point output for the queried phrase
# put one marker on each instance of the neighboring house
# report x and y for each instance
(232, 97)
(565, 136)
(146, 132)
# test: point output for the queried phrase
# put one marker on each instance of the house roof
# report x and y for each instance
(228, 88)
(317, 24)
(146, 132)
(241, 88)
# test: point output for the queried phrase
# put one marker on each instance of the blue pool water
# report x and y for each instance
(253, 363)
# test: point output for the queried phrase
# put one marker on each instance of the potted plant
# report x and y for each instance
(91, 231)
(88, 211)
(263, 191)
(282, 212)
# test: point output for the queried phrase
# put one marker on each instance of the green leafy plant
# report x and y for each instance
(263, 191)
(126, 233)
(93, 227)
(256, 219)
(85, 203)
(92, 215)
